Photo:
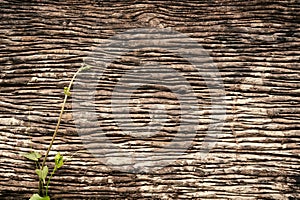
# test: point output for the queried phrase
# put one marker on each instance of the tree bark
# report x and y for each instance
(254, 44)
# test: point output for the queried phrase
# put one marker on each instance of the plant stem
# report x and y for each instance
(48, 182)
(41, 190)
(58, 124)
(59, 119)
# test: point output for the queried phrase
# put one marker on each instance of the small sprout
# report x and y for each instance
(67, 91)
(38, 197)
(59, 160)
(42, 173)
(87, 67)
(42, 170)
(33, 156)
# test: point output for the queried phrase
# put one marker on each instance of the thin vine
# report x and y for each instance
(42, 169)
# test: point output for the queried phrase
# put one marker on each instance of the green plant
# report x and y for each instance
(41, 169)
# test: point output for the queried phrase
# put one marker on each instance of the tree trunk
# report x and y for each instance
(254, 44)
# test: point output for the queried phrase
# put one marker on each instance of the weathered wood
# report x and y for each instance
(254, 44)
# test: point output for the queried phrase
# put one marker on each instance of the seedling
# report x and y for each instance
(41, 169)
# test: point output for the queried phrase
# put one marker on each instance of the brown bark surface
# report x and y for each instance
(254, 44)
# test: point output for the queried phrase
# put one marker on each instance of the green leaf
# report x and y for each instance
(59, 160)
(38, 197)
(42, 173)
(67, 91)
(33, 156)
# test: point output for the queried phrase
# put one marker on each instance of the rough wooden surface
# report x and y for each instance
(256, 47)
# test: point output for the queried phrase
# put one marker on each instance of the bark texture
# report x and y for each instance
(254, 44)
